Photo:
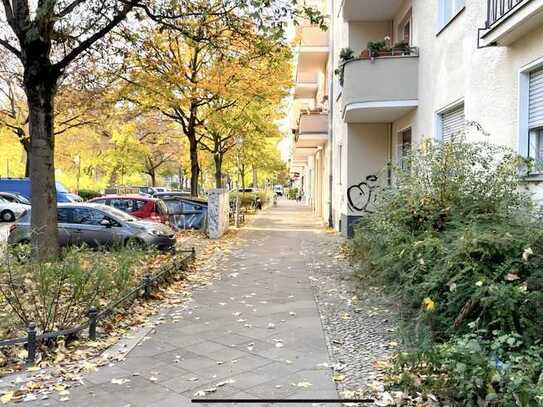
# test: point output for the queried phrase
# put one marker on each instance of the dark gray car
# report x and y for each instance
(99, 225)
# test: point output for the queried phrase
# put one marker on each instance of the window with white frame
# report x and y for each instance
(535, 114)
(447, 10)
(404, 29)
(451, 123)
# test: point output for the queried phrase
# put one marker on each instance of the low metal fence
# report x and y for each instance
(94, 315)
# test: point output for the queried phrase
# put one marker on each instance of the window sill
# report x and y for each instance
(450, 22)
(532, 177)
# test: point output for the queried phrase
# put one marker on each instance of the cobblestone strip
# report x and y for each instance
(360, 322)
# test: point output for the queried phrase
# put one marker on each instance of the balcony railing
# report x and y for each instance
(497, 10)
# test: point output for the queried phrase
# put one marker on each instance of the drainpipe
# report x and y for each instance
(390, 153)
(331, 98)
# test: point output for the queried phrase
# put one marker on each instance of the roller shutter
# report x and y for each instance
(535, 113)
(452, 123)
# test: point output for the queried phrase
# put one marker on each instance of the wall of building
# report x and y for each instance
(367, 153)
(360, 33)
(451, 69)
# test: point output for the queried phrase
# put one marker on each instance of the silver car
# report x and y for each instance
(98, 225)
(9, 211)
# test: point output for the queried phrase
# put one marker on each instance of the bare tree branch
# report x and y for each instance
(10, 48)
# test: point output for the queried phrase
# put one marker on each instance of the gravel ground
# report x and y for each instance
(360, 322)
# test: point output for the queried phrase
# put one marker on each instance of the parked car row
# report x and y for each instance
(107, 220)
(98, 225)
(22, 187)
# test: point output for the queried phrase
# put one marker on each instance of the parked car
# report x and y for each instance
(10, 211)
(186, 212)
(151, 191)
(22, 186)
(74, 197)
(142, 207)
(98, 225)
(14, 197)
(172, 194)
(279, 190)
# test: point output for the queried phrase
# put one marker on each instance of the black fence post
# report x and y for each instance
(31, 344)
(147, 285)
(193, 252)
(93, 313)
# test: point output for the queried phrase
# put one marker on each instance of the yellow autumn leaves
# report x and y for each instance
(428, 304)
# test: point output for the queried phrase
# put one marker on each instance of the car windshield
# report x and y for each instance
(3, 200)
(22, 199)
(119, 214)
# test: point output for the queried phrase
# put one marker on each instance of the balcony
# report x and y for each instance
(307, 85)
(313, 49)
(380, 89)
(509, 20)
(370, 10)
(312, 130)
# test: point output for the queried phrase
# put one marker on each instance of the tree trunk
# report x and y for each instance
(40, 88)
(194, 167)
(218, 170)
(152, 174)
(242, 174)
(25, 142)
(255, 177)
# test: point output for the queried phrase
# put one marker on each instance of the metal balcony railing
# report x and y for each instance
(498, 10)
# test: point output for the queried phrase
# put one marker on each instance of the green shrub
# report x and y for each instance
(473, 371)
(456, 238)
(57, 295)
(87, 194)
(292, 193)
(247, 199)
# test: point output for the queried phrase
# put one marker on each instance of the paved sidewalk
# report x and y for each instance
(255, 333)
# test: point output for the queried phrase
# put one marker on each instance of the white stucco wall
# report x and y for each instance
(451, 69)
(360, 33)
(367, 155)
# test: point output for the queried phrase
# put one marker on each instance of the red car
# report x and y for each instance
(136, 205)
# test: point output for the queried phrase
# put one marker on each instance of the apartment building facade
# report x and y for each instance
(310, 160)
(424, 70)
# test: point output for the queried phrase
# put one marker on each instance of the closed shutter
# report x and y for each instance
(535, 115)
(452, 123)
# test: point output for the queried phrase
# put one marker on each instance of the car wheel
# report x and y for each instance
(135, 244)
(7, 216)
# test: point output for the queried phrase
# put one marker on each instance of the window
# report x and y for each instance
(535, 115)
(138, 204)
(447, 10)
(63, 215)
(86, 216)
(535, 147)
(404, 29)
(161, 208)
(451, 123)
(125, 205)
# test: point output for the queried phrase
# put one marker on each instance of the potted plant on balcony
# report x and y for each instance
(402, 47)
(346, 54)
(377, 48)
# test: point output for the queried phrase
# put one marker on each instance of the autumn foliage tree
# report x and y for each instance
(50, 38)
